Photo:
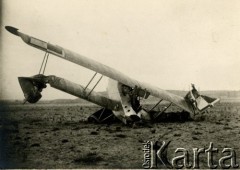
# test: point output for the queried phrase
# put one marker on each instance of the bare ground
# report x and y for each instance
(58, 136)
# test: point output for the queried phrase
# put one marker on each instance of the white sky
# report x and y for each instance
(167, 43)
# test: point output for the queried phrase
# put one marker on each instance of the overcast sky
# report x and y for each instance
(167, 43)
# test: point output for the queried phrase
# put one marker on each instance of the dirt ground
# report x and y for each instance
(59, 136)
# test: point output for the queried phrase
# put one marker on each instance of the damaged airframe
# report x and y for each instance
(124, 93)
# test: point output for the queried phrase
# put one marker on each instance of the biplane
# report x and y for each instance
(124, 93)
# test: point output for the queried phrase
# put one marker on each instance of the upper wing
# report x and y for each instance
(102, 69)
(124, 79)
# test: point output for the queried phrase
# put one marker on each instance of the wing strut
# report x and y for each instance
(95, 85)
(156, 105)
(163, 110)
(45, 60)
(90, 81)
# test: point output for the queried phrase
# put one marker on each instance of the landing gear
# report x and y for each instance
(102, 116)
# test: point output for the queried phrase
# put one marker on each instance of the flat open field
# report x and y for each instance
(59, 136)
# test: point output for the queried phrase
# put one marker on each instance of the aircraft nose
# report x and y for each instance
(12, 30)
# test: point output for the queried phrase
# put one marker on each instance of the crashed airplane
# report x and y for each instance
(124, 93)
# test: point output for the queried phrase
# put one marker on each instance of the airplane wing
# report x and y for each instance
(102, 69)
(124, 79)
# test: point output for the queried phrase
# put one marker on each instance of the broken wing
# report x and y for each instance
(104, 70)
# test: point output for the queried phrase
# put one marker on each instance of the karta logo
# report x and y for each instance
(155, 153)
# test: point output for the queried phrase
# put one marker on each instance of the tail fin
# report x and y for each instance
(200, 102)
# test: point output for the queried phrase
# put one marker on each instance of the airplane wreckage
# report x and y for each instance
(124, 93)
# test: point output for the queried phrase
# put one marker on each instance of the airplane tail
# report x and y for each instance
(199, 102)
(31, 87)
